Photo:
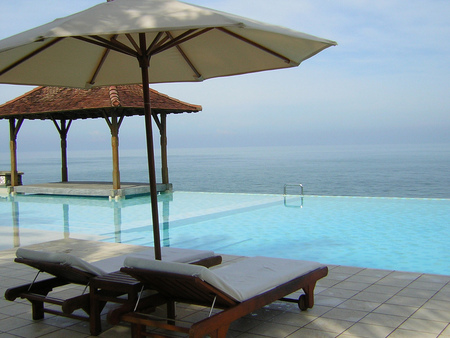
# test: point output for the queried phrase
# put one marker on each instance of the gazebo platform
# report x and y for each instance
(88, 189)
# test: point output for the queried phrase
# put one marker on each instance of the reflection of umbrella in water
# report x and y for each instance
(175, 41)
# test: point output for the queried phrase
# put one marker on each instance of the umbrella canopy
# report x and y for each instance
(174, 40)
(186, 43)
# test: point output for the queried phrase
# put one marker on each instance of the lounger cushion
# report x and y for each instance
(113, 264)
(241, 280)
(256, 275)
(175, 254)
(168, 254)
(61, 258)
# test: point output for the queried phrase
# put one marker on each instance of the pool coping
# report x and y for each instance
(86, 188)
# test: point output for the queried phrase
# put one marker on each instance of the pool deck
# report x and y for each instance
(349, 302)
(88, 189)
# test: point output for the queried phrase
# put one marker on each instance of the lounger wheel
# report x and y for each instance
(303, 302)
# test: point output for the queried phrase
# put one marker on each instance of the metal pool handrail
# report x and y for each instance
(285, 195)
(293, 185)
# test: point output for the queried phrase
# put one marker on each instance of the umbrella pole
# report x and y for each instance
(151, 168)
(144, 63)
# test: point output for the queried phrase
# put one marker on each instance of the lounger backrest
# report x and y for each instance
(182, 269)
(59, 264)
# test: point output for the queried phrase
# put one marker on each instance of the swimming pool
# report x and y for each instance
(387, 233)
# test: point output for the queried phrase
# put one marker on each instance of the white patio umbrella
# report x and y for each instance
(171, 42)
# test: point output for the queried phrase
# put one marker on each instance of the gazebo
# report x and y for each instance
(64, 105)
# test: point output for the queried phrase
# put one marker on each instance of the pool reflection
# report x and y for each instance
(42, 202)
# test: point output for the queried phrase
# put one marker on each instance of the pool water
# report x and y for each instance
(387, 233)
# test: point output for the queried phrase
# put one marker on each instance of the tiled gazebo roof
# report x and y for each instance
(71, 104)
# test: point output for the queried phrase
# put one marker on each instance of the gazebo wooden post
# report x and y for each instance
(64, 172)
(63, 130)
(164, 166)
(13, 131)
(162, 126)
(114, 126)
(115, 157)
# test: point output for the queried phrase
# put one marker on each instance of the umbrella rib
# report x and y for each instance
(156, 43)
(29, 56)
(134, 43)
(254, 44)
(188, 61)
(105, 45)
(186, 36)
(115, 43)
(99, 66)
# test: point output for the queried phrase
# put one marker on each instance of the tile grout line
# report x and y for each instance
(392, 272)
(350, 275)
(409, 317)
(448, 325)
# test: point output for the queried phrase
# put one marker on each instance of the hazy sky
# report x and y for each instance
(387, 81)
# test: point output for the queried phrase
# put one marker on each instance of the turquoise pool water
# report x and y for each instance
(387, 233)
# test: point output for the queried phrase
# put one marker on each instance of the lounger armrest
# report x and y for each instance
(208, 262)
(68, 306)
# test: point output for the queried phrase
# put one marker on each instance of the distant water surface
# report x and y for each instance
(421, 171)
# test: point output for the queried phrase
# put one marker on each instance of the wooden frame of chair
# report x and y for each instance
(192, 290)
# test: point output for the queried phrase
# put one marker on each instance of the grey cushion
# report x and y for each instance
(61, 258)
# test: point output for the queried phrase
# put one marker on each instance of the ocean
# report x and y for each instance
(417, 171)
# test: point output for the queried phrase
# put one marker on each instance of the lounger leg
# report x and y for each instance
(307, 301)
(94, 316)
(137, 330)
(221, 332)
(95, 322)
(171, 312)
(37, 309)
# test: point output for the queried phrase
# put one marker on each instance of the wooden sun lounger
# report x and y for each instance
(193, 288)
(103, 288)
